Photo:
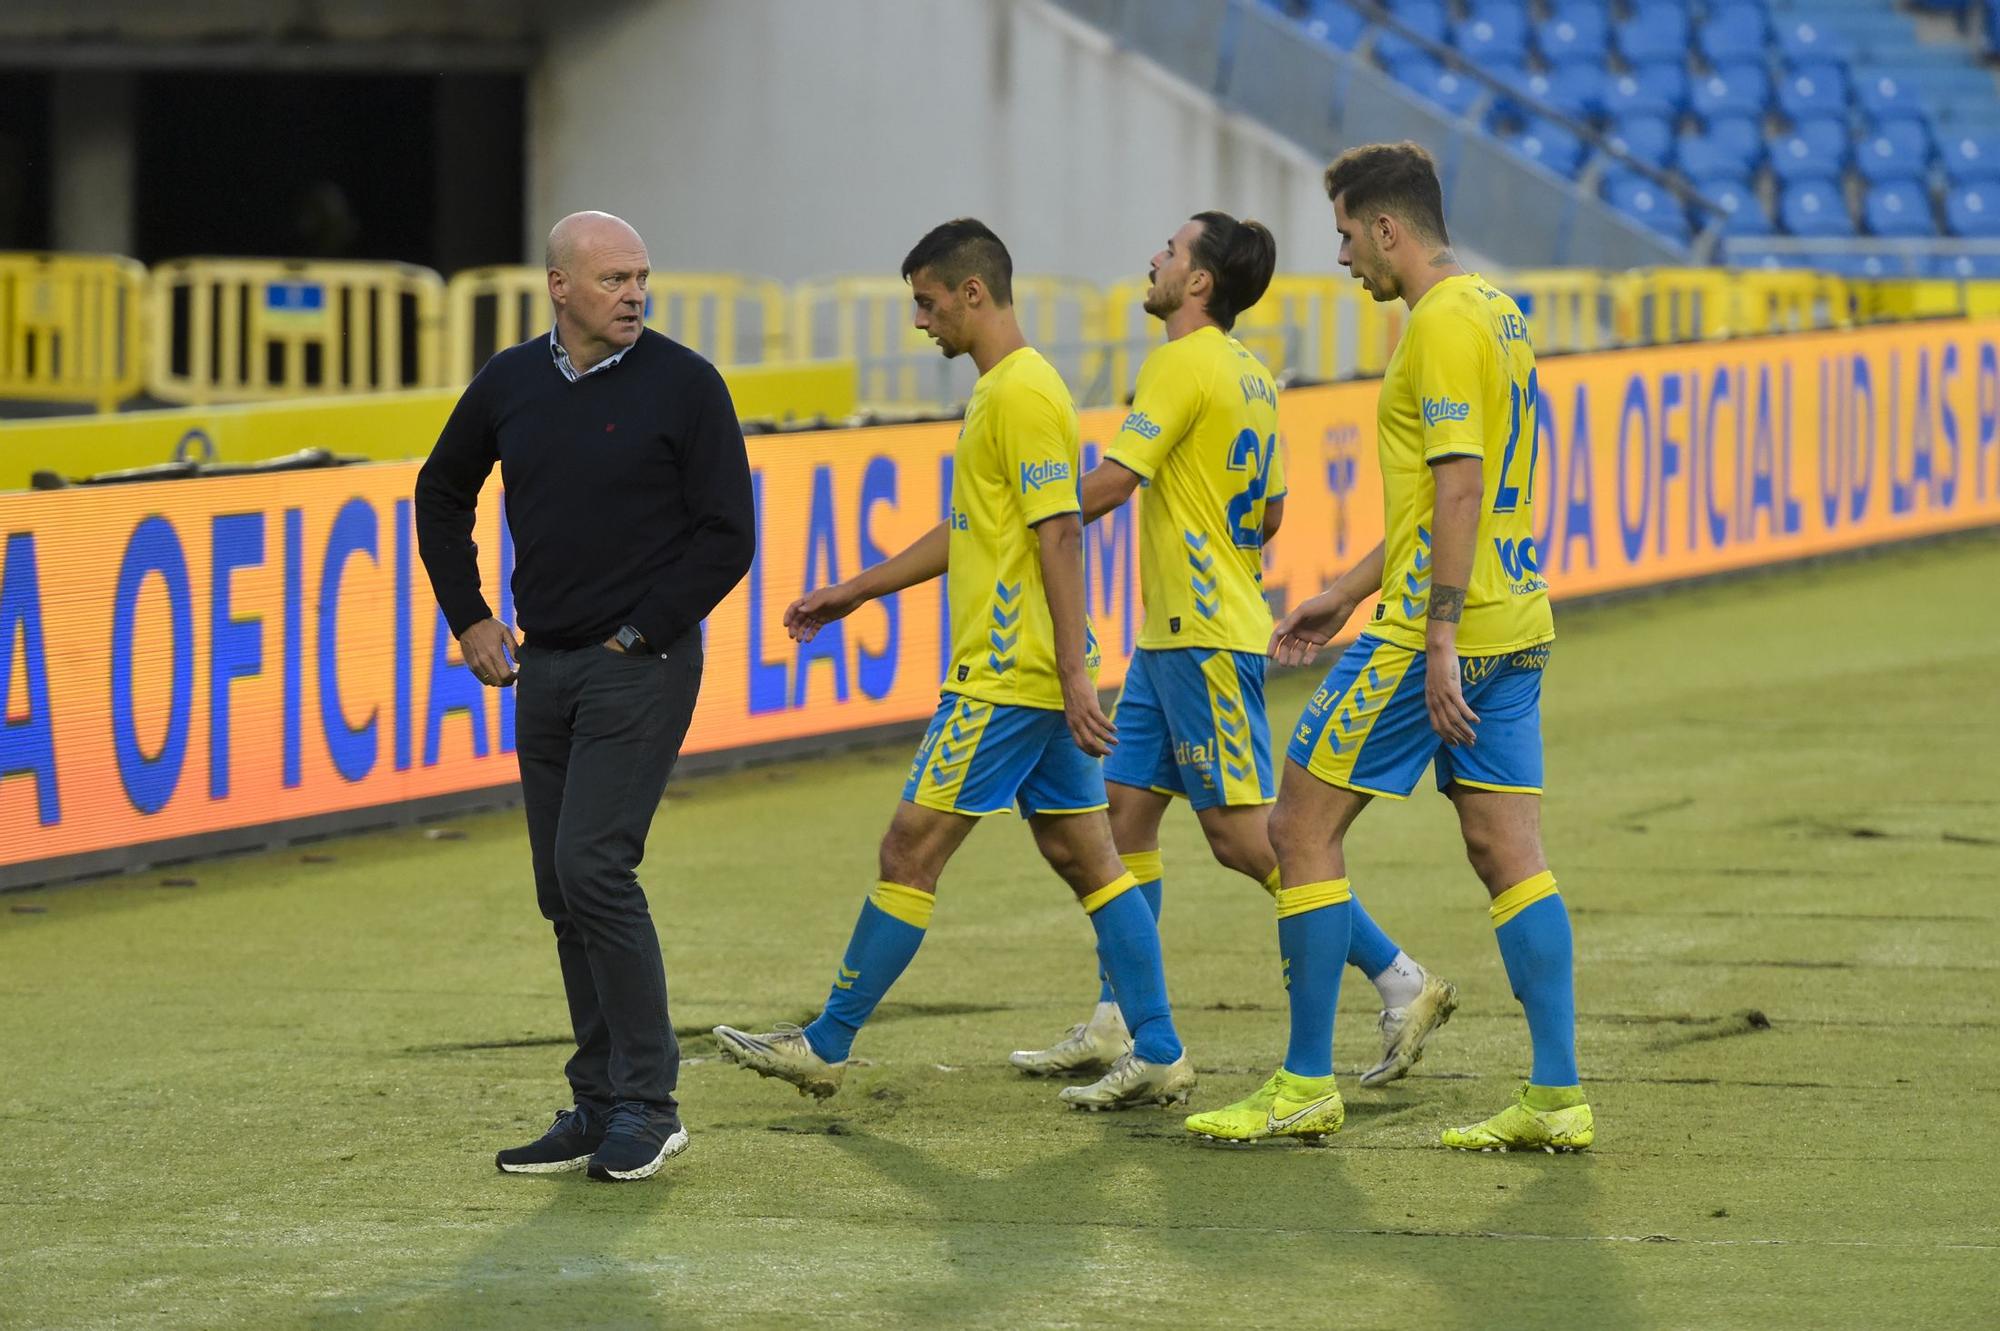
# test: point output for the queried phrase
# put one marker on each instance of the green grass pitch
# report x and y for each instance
(271, 1099)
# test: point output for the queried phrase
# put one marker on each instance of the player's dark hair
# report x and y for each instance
(1240, 256)
(961, 248)
(1399, 179)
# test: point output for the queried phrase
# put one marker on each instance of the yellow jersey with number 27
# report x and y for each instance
(1462, 384)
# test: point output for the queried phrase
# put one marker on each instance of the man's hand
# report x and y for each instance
(1310, 626)
(813, 611)
(491, 649)
(1088, 725)
(1444, 694)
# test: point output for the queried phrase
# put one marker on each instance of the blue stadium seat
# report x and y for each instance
(1881, 158)
(1970, 155)
(1335, 23)
(1815, 150)
(1700, 157)
(1551, 145)
(1580, 88)
(1733, 90)
(1648, 203)
(1973, 210)
(1658, 89)
(1743, 212)
(1738, 135)
(1391, 51)
(1456, 93)
(1574, 34)
(1908, 135)
(1648, 138)
(1815, 208)
(1654, 32)
(1818, 88)
(1733, 35)
(1888, 95)
(1898, 208)
(1427, 18)
(1804, 39)
(1863, 265)
(1497, 34)
(1966, 266)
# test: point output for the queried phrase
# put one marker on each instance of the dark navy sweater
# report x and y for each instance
(627, 493)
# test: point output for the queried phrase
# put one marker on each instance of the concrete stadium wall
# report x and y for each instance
(798, 139)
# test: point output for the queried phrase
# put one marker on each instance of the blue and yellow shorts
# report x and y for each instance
(978, 757)
(1367, 727)
(1191, 722)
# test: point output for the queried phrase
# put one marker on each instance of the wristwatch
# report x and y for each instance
(632, 642)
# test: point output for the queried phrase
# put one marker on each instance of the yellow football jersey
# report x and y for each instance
(1016, 464)
(1462, 384)
(1203, 436)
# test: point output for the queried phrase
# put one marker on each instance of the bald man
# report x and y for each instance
(628, 497)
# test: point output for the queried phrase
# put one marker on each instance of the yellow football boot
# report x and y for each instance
(783, 1054)
(1308, 1108)
(1522, 1127)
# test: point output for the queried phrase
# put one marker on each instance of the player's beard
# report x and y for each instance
(1162, 301)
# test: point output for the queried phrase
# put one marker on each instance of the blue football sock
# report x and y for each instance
(1532, 928)
(1313, 925)
(886, 937)
(1144, 866)
(1128, 948)
(1369, 950)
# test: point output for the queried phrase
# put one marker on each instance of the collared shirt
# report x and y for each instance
(568, 367)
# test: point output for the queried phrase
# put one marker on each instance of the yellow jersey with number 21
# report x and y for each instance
(1462, 384)
(1016, 464)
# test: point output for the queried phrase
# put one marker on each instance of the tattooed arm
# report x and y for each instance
(1454, 530)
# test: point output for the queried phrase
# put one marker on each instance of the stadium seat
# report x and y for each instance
(1426, 18)
(1733, 35)
(1648, 138)
(1882, 158)
(1335, 23)
(1574, 34)
(1815, 89)
(1654, 32)
(1970, 155)
(1966, 265)
(1740, 136)
(1732, 90)
(1658, 89)
(1579, 88)
(1456, 93)
(1898, 208)
(1815, 150)
(1700, 157)
(1551, 145)
(1803, 39)
(1815, 208)
(1973, 210)
(1648, 203)
(1743, 211)
(1499, 34)
(1888, 95)
(1910, 136)
(1392, 50)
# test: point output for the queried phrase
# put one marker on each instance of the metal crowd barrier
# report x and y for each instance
(249, 330)
(72, 328)
(96, 329)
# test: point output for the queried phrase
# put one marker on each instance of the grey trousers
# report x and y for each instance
(597, 734)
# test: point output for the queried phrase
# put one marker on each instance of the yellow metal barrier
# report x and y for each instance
(1306, 326)
(1567, 309)
(242, 330)
(730, 319)
(869, 320)
(72, 328)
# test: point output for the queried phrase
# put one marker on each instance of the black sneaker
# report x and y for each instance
(637, 1141)
(565, 1146)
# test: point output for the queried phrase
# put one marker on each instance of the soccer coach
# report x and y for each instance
(627, 491)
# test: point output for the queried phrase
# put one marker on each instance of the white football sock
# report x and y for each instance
(1400, 982)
